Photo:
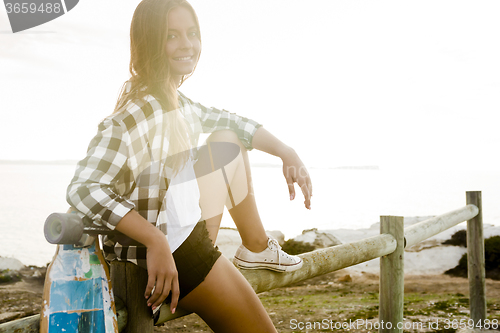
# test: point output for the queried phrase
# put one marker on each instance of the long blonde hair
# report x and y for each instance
(150, 73)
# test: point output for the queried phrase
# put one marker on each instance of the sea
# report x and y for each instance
(343, 198)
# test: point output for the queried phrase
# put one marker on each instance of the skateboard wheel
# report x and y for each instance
(63, 228)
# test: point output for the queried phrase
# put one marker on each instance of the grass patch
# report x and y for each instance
(343, 305)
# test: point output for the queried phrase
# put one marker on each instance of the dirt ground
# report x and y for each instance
(433, 303)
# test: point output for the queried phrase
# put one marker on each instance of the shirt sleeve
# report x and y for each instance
(91, 190)
(213, 119)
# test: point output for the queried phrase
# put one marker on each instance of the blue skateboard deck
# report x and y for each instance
(77, 295)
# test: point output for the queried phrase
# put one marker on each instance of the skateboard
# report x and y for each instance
(77, 295)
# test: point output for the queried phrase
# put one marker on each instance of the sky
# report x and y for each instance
(397, 84)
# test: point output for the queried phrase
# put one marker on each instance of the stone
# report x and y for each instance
(345, 278)
(10, 263)
(317, 238)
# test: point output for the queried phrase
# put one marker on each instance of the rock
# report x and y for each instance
(345, 278)
(33, 273)
(10, 263)
(294, 247)
(317, 238)
(434, 260)
(423, 245)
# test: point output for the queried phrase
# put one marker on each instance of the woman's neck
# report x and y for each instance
(178, 80)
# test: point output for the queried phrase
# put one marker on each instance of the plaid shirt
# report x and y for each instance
(125, 167)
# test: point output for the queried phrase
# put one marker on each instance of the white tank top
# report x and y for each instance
(182, 202)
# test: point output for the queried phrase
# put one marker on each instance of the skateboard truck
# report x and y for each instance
(69, 228)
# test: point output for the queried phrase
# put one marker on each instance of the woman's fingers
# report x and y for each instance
(175, 295)
(309, 185)
(162, 289)
(305, 186)
(155, 298)
(150, 286)
(155, 292)
(307, 195)
(295, 172)
(291, 189)
(164, 293)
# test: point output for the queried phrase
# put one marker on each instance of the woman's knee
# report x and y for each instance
(225, 136)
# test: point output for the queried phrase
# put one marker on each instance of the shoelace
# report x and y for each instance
(275, 246)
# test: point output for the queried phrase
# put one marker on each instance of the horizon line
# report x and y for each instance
(257, 164)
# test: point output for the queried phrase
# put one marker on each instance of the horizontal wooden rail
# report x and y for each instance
(428, 228)
(29, 324)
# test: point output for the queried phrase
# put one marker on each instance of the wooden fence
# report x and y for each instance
(129, 280)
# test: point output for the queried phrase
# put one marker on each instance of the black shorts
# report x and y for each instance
(194, 259)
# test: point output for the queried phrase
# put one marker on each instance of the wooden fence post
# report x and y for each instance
(129, 283)
(391, 290)
(475, 261)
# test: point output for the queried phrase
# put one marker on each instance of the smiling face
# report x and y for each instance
(183, 41)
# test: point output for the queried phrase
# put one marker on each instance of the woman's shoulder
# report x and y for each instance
(188, 105)
(184, 100)
(183, 97)
(136, 111)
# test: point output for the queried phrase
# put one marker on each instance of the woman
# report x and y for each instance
(138, 178)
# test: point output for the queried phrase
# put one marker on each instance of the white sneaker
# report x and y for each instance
(272, 258)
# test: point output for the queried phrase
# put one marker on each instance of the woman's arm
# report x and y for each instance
(253, 135)
(293, 168)
(162, 273)
(92, 191)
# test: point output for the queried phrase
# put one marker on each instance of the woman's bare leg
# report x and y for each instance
(214, 195)
(227, 302)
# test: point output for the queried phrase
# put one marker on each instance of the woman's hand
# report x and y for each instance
(162, 273)
(293, 168)
(295, 172)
